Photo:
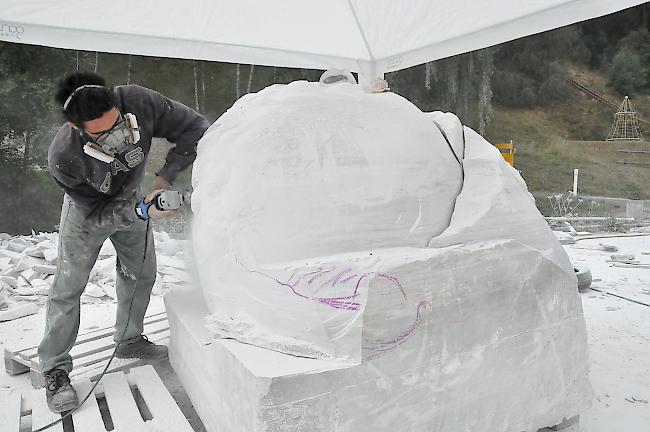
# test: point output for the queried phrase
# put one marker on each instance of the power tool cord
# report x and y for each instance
(620, 296)
(128, 319)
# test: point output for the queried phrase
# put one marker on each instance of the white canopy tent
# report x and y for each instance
(366, 36)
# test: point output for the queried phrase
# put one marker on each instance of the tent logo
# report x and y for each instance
(10, 30)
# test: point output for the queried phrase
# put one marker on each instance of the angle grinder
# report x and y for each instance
(170, 200)
(166, 200)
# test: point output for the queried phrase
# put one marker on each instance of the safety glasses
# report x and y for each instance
(101, 136)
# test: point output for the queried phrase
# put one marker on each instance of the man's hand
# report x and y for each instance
(159, 183)
(154, 213)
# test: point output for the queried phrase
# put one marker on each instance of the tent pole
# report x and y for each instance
(366, 79)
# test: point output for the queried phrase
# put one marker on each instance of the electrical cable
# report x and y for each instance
(621, 297)
(128, 319)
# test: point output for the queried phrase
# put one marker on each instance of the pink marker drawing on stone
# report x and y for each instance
(317, 279)
(379, 348)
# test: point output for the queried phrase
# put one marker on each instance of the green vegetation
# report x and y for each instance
(547, 159)
(553, 139)
(556, 127)
(627, 74)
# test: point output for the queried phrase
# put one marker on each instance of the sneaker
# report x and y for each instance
(60, 395)
(143, 349)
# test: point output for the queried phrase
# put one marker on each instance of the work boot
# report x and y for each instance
(141, 348)
(60, 394)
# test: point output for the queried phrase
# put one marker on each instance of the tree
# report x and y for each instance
(30, 113)
(514, 89)
(639, 42)
(626, 73)
(554, 87)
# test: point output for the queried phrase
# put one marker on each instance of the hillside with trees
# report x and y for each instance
(517, 90)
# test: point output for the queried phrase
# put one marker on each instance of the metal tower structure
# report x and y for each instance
(626, 124)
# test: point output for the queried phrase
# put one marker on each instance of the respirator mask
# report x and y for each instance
(124, 134)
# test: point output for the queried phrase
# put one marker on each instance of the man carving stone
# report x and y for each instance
(98, 158)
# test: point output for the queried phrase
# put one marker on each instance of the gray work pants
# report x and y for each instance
(79, 245)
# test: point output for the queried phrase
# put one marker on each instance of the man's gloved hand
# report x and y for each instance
(146, 210)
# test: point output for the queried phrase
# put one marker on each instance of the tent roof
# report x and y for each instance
(366, 36)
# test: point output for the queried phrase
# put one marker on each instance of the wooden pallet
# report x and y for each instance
(90, 353)
(136, 401)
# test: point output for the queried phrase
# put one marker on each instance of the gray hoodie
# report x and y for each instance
(107, 193)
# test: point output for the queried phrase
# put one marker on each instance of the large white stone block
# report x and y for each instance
(306, 171)
(354, 276)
